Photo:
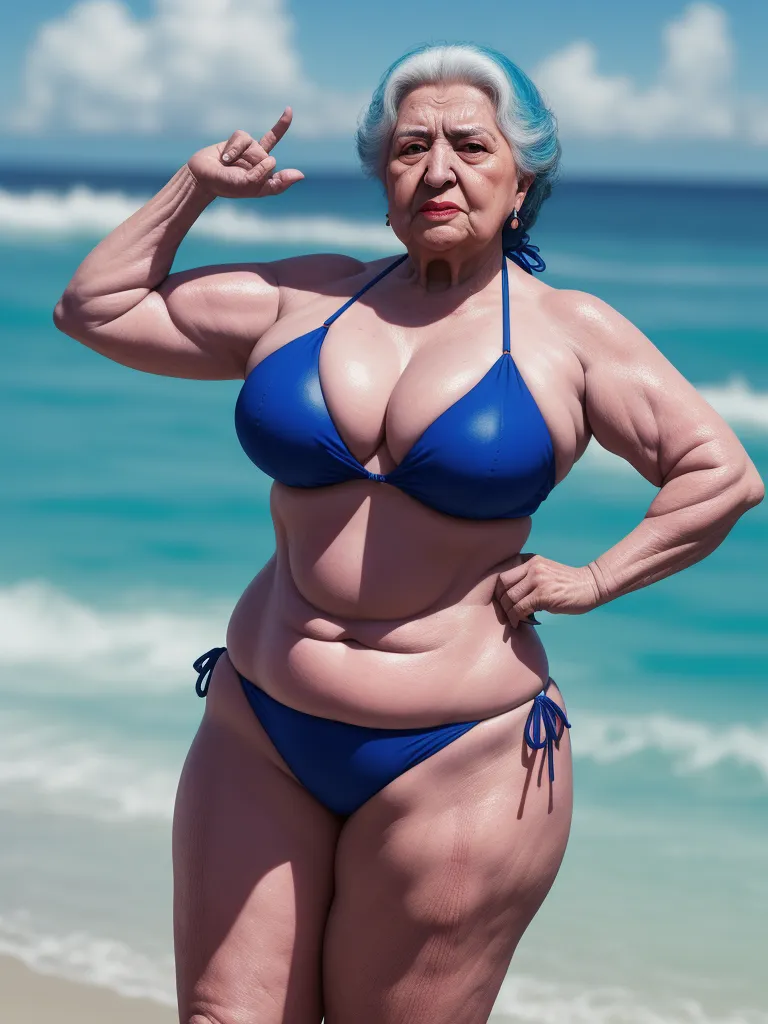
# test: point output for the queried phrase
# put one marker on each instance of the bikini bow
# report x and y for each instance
(526, 255)
(204, 666)
(545, 712)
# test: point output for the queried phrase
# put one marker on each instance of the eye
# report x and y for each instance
(413, 147)
(475, 147)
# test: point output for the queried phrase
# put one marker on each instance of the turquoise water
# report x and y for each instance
(131, 520)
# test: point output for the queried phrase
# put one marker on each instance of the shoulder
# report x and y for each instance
(593, 328)
(302, 277)
(315, 271)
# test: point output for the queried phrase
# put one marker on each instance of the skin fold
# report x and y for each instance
(379, 611)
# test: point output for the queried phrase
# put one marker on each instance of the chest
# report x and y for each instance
(385, 382)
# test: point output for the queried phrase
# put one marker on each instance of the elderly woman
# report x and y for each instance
(379, 795)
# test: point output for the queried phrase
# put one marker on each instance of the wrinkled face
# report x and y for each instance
(447, 151)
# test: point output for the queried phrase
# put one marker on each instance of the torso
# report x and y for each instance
(376, 609)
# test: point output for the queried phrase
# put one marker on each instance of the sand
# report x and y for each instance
(30, 998)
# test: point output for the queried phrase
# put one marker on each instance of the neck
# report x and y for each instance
(432, 271)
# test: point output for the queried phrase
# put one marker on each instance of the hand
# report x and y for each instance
(241, 168)
(534, 583)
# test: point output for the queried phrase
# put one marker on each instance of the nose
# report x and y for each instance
(439, 166)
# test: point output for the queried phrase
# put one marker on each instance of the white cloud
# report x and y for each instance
(193, 66)
(209, 66)
(693, 96)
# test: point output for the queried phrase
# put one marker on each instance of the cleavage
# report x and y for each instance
(358, 376)
(374, 398)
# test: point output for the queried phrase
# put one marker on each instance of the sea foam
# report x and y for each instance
(531, 1001)
(138, 647)
(47, 766)
(690, 746)
(85, 212)
(78, 956)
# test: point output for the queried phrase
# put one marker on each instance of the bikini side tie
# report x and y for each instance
(204, 666)
(545, 712)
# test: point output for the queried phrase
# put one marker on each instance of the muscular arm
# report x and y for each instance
(201, 324)
(642, 409)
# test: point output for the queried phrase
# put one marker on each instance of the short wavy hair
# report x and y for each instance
(528, 125)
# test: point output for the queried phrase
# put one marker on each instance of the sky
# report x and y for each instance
(663, 89)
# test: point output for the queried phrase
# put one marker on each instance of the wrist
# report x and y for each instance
(599, 583)
(201, 193)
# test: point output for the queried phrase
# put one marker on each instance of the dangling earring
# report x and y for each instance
(514, 223)
(388, 224)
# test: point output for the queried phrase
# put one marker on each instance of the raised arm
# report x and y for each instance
(641, 408)
(202, 323)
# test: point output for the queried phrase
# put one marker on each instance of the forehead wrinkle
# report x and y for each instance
(459, 132)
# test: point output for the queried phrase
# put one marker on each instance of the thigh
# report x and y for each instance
(253, 856)
(439, 875)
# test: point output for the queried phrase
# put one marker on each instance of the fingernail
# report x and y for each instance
(226, 157)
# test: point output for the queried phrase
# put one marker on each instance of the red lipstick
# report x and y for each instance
(435, 210)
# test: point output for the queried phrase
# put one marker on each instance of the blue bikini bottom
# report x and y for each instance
(343, 765)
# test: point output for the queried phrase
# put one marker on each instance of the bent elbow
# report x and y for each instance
(58, 315)
(65, 318)
(749, 488)
(754, 491)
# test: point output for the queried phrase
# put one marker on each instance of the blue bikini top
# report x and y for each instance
(488, 456)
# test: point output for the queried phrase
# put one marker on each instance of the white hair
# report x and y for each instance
(521, 114)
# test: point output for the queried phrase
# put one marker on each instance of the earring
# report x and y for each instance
(515, 222)
(387, 222)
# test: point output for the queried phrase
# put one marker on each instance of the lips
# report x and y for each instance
(433, 205)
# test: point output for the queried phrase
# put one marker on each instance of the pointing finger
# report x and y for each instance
(268, 140)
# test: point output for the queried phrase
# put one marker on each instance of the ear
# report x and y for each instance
(524, 182)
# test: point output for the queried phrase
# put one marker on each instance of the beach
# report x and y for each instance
(131, 522)
(29, 997)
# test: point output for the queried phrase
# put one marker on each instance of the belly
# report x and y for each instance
(378, 611)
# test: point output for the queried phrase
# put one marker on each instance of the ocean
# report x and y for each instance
(131, 520)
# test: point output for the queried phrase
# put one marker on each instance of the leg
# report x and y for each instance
(439, 875)
(253, 874)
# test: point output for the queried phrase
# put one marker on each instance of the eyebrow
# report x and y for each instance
(460, 132)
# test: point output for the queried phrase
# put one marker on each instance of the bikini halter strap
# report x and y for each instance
(527, 257)
(364, 289)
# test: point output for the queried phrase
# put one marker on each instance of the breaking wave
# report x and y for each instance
(85, 212)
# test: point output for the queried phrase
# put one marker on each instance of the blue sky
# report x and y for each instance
(664, 88)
